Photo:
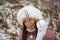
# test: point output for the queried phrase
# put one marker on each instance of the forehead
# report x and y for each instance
(25, 19)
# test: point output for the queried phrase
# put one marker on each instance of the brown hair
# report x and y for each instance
(25, 32)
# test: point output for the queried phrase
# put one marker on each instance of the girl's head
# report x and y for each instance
(28, 24)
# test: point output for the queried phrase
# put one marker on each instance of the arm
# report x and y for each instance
(20, 36)
(50, 35)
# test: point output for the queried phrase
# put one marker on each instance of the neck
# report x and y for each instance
(31, 30)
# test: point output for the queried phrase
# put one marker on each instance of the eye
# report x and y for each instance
(32, 21)
(27, 22)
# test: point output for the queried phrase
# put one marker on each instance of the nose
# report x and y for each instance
(31, 24)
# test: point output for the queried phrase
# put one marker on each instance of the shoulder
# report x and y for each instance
(50, 34)
(20, 36)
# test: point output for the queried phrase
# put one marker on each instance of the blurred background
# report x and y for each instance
(9, 26)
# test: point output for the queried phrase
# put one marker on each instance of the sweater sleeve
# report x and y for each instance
(49, 35)
(20, 36)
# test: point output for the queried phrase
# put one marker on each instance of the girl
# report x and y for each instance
(34, 27)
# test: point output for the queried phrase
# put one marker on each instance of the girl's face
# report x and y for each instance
(30, 24)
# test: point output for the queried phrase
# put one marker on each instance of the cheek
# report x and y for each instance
(32, 23)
